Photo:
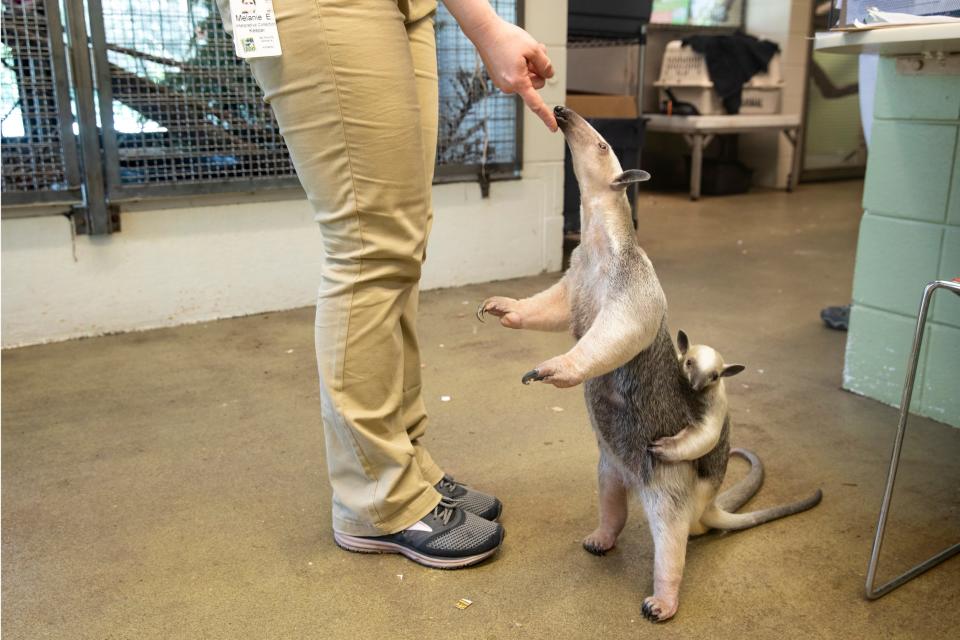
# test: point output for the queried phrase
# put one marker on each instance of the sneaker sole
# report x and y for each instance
(359, 544)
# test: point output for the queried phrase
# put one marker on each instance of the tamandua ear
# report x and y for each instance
(629, 177)
(731, 370)
(682, 343)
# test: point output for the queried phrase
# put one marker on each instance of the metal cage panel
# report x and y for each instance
(38, 146)
(478, 124)
(185, 109)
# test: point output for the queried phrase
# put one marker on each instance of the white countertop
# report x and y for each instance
(908, 39)
(720, 123)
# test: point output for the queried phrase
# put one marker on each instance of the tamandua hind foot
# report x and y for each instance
(657, 609)
(599, 542)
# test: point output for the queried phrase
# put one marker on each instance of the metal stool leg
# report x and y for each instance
(871, 592)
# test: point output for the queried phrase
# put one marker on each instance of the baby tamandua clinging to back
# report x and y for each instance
(705, 370)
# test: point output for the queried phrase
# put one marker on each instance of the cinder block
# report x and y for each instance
(895, 260)
(878, 346)
(940, 399)
(546, 20)
(916, 97)
(953, 209)
(909, 172)
(946, 309)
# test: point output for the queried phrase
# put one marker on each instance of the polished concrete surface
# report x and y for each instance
(171, 484)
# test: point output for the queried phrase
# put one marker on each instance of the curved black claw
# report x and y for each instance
(480, 311)
(531, 376)
(649, 613)
(595, 549)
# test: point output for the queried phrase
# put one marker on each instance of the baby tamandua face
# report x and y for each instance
(703, 366)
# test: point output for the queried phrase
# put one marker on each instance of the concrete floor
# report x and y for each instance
(171, 484)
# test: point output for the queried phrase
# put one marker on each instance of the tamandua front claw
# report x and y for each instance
(506, 309)
(531, 376)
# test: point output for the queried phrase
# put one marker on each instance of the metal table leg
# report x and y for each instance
(793, 135)
(697, 142)
(873, 593)
(696, 166)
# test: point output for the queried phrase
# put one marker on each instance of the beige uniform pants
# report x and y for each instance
(355, 95)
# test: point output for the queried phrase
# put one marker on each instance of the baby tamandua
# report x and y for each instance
(705, 370)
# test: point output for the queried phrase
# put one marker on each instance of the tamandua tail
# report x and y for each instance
(736, 496)
(719, 514)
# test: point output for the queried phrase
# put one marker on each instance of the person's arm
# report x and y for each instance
(515, 61)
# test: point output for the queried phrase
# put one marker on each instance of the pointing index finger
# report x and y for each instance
(536, 104)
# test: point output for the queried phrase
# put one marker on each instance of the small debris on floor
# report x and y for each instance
(400, 575)
(441, 345)
(289, 350)
(760, 371)
(465, 302)
(445, 398)
(557, 409)
(463, 603)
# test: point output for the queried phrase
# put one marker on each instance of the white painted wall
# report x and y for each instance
(196, 263)
(786, 22)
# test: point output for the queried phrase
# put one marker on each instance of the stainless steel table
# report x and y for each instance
(698, 131)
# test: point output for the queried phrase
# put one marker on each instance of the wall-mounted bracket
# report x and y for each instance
(94, 221)
(929, 63)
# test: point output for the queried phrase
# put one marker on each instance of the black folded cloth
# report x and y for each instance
(731, 61)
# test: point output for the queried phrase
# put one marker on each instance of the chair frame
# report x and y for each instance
(873, 592)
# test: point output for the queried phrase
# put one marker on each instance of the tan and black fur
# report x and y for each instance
(636, 392)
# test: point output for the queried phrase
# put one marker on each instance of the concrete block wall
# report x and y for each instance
(910, 235)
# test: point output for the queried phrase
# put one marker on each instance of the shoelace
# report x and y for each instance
(444, 510)
(446, 482)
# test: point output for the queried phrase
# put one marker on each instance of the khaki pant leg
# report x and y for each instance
(345, 96)
(423, 48)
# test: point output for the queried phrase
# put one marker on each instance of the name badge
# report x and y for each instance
(254, 28)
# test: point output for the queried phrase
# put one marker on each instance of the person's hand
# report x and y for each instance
(517, 64)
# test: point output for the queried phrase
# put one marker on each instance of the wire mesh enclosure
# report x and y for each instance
(37, 157)
(185, 109)
(478, 123)
(164, 106)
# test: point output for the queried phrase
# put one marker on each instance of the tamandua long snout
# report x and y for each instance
(598, 171)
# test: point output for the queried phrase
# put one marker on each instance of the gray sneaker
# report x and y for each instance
(476, 502)
(448, 537)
